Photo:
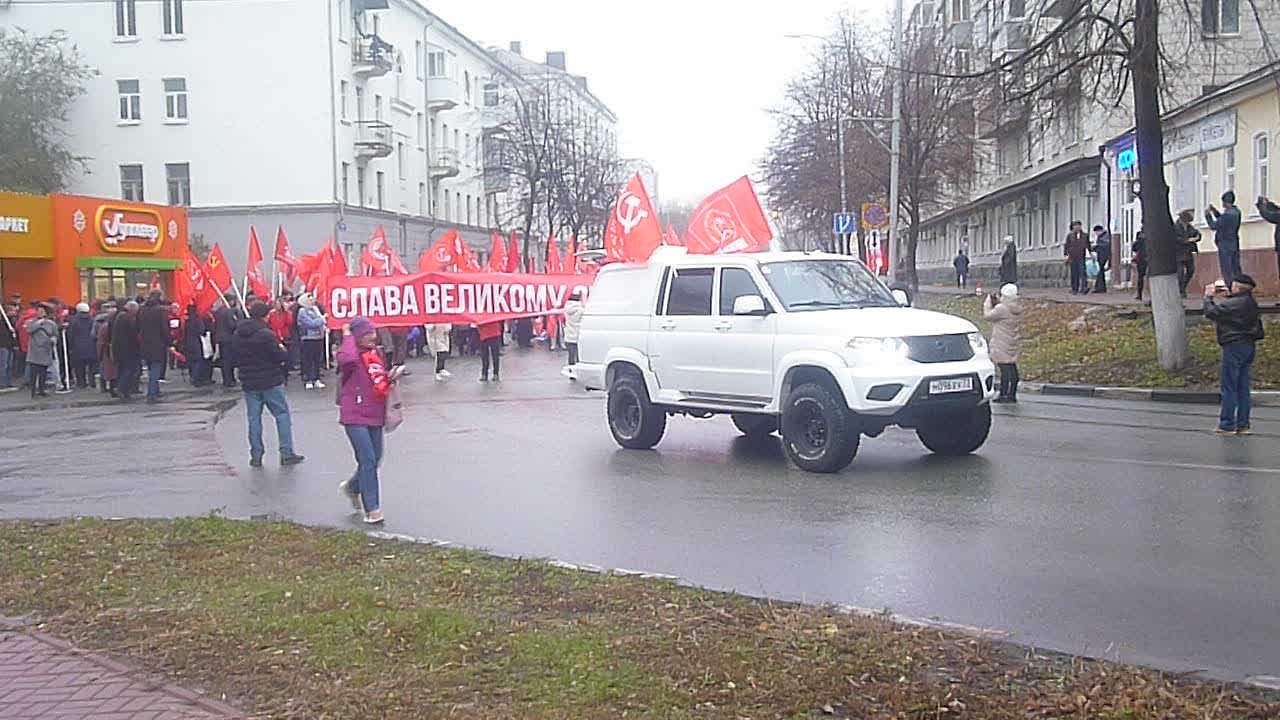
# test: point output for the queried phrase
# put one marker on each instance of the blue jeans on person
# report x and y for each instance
(366, 443)
(1237, 364)
(1229, 262)
(273, 399)
(6, 380)
(130, 375)
(155, 371)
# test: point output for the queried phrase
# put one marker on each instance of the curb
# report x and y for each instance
(1264, 398)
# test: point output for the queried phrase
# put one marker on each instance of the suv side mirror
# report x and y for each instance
(749, 305)
(902, 297)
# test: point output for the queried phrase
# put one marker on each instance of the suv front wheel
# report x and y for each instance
(634, 421)
(818, 431)
(956, 433)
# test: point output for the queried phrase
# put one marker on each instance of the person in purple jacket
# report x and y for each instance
(362, 403)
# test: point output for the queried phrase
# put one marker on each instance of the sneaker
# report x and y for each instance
(62, 391)
(1223, 431)
(9, 389)
(446, 373)
(255, 462)
(163, 381)
(497, 377)
(373, 518)
(1246, 430)
(440, 377)
(310, 386)
(354, 497)
(484, 378)
(319, 385)
(292, 459)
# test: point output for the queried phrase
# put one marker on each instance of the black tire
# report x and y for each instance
(818, 430)
(956, 433)
(755, 426)
(635, 422)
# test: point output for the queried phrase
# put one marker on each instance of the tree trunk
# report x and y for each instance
(913, 235)
(1157, 223)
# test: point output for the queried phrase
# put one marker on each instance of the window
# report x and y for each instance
(468, 209)
(131, 183)
(479, 152)
(447, 206)
(734, 283)
(1030, 146)
(420, 128)
(1229, 168)
(419, 59)
(466, 85)
(457, 143)
(1017, 8)
(400, 159)
(343, 86)
(1204, 182)
(178, 175)
(1184, 184)
(1261, 164)
(690, 292)
(467, 145)
(343, 14)
(382, 188)
(175, 99)
(126, 19)
(1220, 17)
(172, 17)
(491, 94)
(457, 214)
(346, 183)
(360, 185)
(480, 220)
(444, 139)
(422, 198)
(377, 107)
(399, 75)
(959, 10)
(436, 64)
(130, 101)
(359, 103)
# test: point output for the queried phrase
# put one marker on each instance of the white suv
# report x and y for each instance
(811, 344)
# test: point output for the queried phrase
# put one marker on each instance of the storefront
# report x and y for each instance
(80, 248)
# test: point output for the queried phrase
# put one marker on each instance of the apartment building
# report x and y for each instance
(1044, 162)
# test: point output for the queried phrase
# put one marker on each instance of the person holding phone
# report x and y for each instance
(1004, 312)
(364, 384)
(1235, 314)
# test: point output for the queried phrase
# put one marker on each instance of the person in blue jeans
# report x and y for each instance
(362, 408)
(1239, 325)
(1225, 224)
(261, 360)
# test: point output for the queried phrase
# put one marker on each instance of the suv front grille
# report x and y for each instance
(939, 348)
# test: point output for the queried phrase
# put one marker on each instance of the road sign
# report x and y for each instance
(874, 216)
(843, 223)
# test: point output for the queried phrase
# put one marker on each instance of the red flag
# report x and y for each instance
(284, 255)
(673, 238)
(442, 254)
(498, 255)
(216, 270)
(513, 254)
(319, 283)
(338, 260)
(191, 285)
(257, 284)
(555, 266)
(466, 260)
(379, 258)
(632, 232)
(730, 220)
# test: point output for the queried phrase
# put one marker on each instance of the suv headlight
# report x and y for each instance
(978, 343)
(880, 349)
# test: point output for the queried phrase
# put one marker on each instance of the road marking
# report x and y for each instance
(1159, 464)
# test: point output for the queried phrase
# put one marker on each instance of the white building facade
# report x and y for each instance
(327, 117)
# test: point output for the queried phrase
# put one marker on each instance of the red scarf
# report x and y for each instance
(377, 374)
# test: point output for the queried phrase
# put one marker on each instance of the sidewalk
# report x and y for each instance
(43, 677)
(1117, 298)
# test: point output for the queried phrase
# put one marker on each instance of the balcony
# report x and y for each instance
(497, 117)
(373, 140)
(998, 120)
(443, 93)
(371, 57)
(444, 163)
(960, 34)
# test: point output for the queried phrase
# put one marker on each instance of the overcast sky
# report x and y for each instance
(690, 80)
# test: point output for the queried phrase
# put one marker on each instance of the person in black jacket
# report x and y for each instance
(1271, 213)
(153, 330)
(82, 337)
(1235, 313)
(262, 361)
(1187, 238)
(1009, 262)
(224, 328)
(126, 351)
(193, 331)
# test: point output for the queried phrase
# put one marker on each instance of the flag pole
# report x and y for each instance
(239, 294)
(66, 361)
(7, 321)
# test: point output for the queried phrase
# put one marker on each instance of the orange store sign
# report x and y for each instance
(129, 230)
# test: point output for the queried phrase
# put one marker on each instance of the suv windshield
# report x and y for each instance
(825, 284)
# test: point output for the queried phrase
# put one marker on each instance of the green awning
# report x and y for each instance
(128, 263)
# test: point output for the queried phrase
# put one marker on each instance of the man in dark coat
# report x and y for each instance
(262, 361)
(1271, 213)
(1234, 312)
(1075, 247)
(153, 328)
(1009, 262)
(126, 351)
(1187, 238)
(224, 328)
(82, 338)
(1102, 251)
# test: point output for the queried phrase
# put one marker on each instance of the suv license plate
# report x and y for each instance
(951, 385)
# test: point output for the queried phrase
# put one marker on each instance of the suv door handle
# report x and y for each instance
(667, 325)
(724, 325)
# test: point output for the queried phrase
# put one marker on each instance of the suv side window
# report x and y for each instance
(734, 283)
(690, 292)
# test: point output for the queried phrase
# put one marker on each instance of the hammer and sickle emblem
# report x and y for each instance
(633, 214)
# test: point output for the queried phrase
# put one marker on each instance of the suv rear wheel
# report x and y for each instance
(755, 426)
(634, 421)
(956, 433)
(818, 431)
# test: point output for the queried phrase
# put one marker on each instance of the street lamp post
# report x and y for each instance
(895, 142)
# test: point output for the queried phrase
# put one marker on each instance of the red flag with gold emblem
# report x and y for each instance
(632, 232)
(216, 270)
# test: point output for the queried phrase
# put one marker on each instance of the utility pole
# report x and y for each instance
(895, 143)
(843, 238)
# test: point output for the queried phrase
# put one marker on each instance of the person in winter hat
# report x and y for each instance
(43, 334)
(82, 337)
(364, 384)
(1004, 312)
(1235, 314)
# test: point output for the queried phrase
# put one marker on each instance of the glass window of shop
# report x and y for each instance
(102, 283)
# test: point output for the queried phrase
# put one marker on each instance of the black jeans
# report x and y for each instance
(39, 379)
(1009, 380)
(312, 359)
(1100, 285)
(1079, 279)
(491, 353)
(1186, 271)
(573, 353)
(83, 372)
(228, 364)
(130, 375)
(1142, 278)
(440, 356)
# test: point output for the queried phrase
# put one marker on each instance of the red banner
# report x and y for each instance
(730, 220)
(434, 297)
(257, 282)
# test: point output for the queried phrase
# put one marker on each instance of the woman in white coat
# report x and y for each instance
(1005, 315)
(572, 330)
(438, 342)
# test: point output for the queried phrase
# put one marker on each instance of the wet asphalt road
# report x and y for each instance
(1124, 530)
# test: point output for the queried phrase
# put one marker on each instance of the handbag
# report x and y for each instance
(206, 346)
(1091, 267)
(394, 416)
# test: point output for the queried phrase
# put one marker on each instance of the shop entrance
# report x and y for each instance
(102, 283)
